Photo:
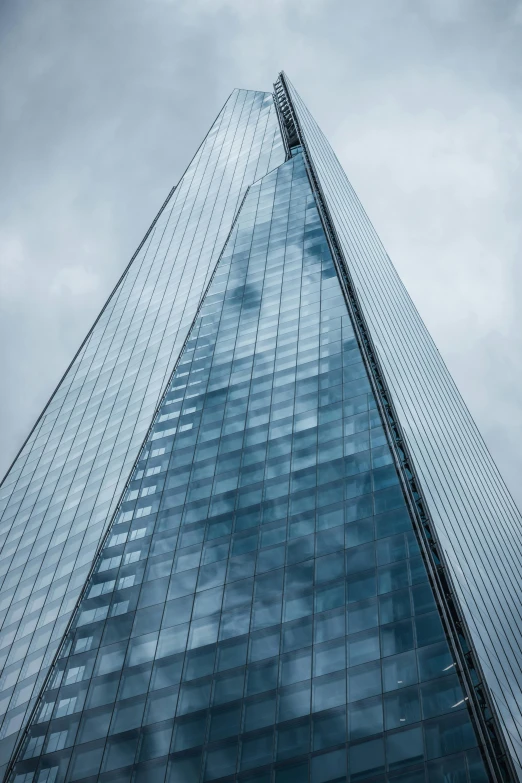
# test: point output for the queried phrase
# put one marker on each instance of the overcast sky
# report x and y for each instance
(103, 103)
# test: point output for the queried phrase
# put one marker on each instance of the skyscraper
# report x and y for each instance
(255, 534)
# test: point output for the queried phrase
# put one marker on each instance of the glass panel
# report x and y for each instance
(476, 519)
(65, 484)
(269, 606)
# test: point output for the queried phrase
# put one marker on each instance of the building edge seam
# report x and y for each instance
(20, 741)
(481, 706)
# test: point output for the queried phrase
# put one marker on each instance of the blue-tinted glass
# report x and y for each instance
(474, 516)
(259, 605)
(66, 482)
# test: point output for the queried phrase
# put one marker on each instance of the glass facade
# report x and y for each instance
(477, 523)
(260, 610)
(212, 568)
(61, 491)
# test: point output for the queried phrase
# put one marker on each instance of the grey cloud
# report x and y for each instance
(103, 103)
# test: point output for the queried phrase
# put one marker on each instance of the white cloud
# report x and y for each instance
(103, 105)
(74, 281)
(448, 11)
(13, 266)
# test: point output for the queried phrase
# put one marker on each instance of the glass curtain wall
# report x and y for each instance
(63, 487)
(477, 522)
(260, 610)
